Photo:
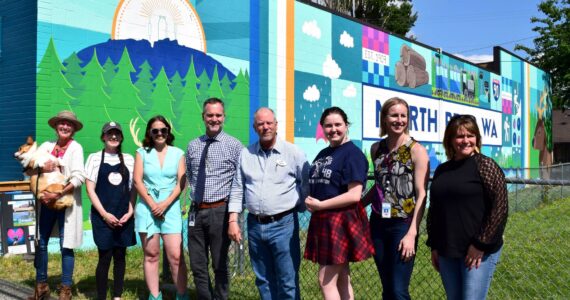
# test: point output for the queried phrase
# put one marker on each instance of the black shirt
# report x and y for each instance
(468, 205)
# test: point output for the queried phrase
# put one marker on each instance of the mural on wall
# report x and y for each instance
(129, 61)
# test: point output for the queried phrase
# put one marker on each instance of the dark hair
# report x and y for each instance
(213, 100)
(148, 142)
(384, 113)
(334, 110)
(458, 121)
(123, 168)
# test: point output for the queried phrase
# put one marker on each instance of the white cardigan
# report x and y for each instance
(74, 171)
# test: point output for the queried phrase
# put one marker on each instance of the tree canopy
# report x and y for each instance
(395, 16)
(551, 50)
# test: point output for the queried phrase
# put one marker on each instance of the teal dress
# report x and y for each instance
(159, 183)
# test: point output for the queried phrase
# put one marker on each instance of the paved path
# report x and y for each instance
(9, 290)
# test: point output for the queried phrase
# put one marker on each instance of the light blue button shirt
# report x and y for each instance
(270, 183)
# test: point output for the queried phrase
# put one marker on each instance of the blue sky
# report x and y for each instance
(472, 28)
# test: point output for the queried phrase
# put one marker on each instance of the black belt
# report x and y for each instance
(273, 218)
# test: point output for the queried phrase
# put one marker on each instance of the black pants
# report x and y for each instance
(118, 255)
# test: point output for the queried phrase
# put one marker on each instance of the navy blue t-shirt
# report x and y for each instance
(334, 168)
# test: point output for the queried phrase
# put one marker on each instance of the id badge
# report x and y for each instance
(386, 210)
(191, 218)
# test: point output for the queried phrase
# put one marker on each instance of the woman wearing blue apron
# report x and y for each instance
(109, 185)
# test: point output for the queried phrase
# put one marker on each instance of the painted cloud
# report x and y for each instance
(312, 94)
(349, 91)
(311, 28)
(331, 68)
(346, 40)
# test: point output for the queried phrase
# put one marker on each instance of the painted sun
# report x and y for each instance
(155, 20)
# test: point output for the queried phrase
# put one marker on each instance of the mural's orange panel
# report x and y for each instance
(290, 72)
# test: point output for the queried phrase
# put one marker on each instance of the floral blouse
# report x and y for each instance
(394, 176)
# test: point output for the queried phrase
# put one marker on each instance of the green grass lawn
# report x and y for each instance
(535, 264)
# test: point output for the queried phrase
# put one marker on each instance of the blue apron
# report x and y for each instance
(115, 199)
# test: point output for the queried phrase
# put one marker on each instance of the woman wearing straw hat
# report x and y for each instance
(70, 220)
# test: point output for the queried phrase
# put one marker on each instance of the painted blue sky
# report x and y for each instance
(471, 28)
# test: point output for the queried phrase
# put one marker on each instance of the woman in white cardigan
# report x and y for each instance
(70, 220)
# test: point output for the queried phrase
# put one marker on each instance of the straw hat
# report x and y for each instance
(67, 116)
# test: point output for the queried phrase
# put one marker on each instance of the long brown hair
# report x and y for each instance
(148, 142)
(460, 121)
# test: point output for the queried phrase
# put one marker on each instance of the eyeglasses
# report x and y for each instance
(469, 117)
(156, 131)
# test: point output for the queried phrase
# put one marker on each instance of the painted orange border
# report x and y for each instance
(290, 72)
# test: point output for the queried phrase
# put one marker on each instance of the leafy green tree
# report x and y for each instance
(551, 50)
(393, 15)
(74, 74)
(125, 101)
(52, 90)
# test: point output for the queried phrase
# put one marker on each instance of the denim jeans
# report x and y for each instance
(461, 283)
(210, 234)
(395, 274)
(275, 255)
(48, 218)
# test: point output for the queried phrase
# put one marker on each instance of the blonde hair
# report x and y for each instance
(384, 113)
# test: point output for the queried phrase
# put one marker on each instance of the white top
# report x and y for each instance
(94, 162)
(73, 170)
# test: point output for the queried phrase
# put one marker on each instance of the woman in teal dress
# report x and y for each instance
(159, 178)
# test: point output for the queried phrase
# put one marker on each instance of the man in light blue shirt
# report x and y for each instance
(272, 182)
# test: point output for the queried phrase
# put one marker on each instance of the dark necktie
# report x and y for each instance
(201, 178)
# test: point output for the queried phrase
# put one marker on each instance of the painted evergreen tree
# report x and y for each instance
(52, 91)
(215, 89)
(161, 99)
(145, 87)
(109, 69)
(176, 88)
(204, 85)
(190, 120)
(237, 113)
(125, 100)
(226, 85)
(93, 103)
(74, 74)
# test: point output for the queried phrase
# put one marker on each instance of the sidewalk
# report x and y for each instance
(9, 290)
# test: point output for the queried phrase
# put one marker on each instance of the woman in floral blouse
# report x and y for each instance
(401, 171)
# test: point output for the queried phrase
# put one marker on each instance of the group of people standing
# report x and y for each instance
(273, 180)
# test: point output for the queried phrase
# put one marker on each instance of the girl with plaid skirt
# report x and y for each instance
(338, 231)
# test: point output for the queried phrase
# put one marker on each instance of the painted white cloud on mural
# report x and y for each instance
(311, 28)
(331, 68)
(346, 40)
(349, 91)
(312, 93)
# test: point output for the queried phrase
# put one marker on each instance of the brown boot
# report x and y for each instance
(65, 292)
(41, 291)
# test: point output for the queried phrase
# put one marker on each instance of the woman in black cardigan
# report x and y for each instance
(467, 213)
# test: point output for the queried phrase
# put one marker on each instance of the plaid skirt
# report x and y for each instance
(339, 236)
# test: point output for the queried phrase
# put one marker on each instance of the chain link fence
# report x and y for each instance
(535, 262)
